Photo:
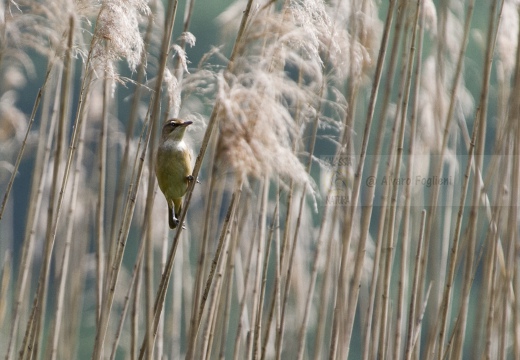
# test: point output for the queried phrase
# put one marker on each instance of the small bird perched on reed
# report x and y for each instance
(173, 167)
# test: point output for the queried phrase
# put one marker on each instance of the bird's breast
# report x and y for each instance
(172, 168)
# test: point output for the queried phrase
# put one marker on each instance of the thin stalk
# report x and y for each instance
(394, 228)
(58, 314)
(281, 250)
(134, 281)
(216, 299)
(483, 257)
(37, 190)
(274, 232)
(213, 203)
(404, 274)
(504, 315)
(100, 223)
(164, 255)
(479, 120)
(134, 333)
(468, 271)
(288, 276)
(220, 301)
(53, 225)
(228, 278)
(512, 228)
(417, 330)
(388, 225)
(492, 288)
(314, 273)
(446, 126)
(223, 235)
(412, 325)
(215, 302)
(24, 143)
(179, 71)
(75, 280)
(455, 244)
(148, 254)
(181, 281)
(261, 263)
(369, 203)
(281, 254)
(471, 278)
(355, 196)
(509, 278)
(123, 236)
(327, 293)
(243, 302)
(123, 167)
(514, 270)
(389, 199)
(377, 284)
(5, 280)
(25, 346)
(55, 208)
(346, 147)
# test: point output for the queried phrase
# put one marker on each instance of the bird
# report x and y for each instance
(173, 167)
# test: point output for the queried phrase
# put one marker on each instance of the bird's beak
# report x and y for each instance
(186, 123)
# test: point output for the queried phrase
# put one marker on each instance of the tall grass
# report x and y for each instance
(358, 180)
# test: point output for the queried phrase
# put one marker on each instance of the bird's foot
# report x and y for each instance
(173, 222)
(190, 178)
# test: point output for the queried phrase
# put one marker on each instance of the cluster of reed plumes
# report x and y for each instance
(357, 194)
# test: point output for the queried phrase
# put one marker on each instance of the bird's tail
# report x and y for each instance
(178, 207)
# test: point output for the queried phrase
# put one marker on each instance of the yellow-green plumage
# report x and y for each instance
(173, 167)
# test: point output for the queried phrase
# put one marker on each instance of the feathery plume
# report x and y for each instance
(261, 104)
(118, 25)
(507, 36)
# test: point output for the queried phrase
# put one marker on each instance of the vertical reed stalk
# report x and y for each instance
(54, 212)
(223, 235)
(446, 126)
(261, 267)
(134, 282)
(42, 163)
(213, 202)
(59, 312)
(412, 323)
(355, 196)
(394, 228)
(100, 223)
(116, 263)
(243, 304)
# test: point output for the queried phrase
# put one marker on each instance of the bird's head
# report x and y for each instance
(174, 129)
